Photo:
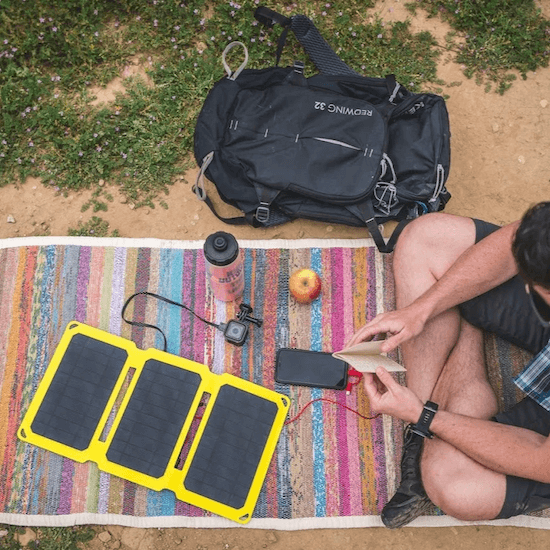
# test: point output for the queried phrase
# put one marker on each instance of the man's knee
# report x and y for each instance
(435, 240)
(465, 499)
(464, 493)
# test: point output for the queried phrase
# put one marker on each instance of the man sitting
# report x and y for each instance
(455, 276)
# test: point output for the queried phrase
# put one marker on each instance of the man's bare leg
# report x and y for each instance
(428, 247)
(425, 251)
(460, 486)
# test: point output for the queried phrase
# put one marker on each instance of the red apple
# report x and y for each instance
(304, 285)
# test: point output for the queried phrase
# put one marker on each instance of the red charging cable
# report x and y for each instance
(351, 373)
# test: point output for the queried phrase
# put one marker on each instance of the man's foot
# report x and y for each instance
(410, 499)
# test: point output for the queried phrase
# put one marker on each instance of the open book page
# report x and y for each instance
(366, 356)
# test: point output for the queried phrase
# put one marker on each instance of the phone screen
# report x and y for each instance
(310, 368)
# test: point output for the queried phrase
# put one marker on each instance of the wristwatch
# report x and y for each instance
(422, 427)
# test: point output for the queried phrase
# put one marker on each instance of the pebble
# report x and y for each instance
(101, 183)
(11, 219)
(496, 127)
(104, 536)
(330, 229)
(544, 103)
(521, 159)
(132, 206)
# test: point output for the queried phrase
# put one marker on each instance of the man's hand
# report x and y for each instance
(389, 397)
(400, 326)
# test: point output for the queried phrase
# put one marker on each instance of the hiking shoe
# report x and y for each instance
(410, 499)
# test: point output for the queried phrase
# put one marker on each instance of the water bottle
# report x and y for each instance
(224, 266)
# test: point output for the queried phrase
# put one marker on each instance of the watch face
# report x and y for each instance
(236, 332)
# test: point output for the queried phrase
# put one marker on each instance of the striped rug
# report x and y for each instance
(331, 468)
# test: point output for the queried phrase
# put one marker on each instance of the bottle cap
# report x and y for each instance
(221, 248)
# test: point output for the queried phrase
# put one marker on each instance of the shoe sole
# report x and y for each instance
(406, 517)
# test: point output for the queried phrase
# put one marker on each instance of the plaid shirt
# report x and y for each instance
(534, 380)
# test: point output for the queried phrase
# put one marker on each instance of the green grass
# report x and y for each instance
(500, 37)
(48, 538)
(53, 52)
(94, 227)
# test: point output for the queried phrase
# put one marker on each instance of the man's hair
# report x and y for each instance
(531, 245)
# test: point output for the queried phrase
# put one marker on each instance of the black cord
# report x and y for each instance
(171, 302)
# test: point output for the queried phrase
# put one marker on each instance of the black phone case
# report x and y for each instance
(315, 369)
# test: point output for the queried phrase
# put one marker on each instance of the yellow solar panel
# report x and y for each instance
(135, 414)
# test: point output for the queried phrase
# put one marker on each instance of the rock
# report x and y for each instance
(101, 183)
(3, 533)
(521, 159)
(271, 537)
(496, 127)
(11, 219)
(544, 103)
(104, 536)
(330, 229)
(132, 206)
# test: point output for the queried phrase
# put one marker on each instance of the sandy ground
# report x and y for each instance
(499, 166)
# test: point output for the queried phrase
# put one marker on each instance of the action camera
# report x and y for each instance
(236, 330)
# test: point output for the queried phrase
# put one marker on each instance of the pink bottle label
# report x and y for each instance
(227, 281)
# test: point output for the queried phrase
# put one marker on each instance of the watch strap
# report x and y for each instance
(422, 427)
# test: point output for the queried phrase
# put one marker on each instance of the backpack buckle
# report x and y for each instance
(262, 212)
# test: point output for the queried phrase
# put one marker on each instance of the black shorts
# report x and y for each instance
(506, 309)
(507, 312)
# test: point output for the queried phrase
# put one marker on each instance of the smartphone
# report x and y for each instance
(318, 369)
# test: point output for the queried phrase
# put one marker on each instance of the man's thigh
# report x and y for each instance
(505, 310)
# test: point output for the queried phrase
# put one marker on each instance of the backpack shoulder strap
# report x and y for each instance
(323, 56)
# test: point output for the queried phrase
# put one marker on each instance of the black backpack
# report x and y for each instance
(336, 147)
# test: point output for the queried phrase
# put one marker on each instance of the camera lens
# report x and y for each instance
(235, 330)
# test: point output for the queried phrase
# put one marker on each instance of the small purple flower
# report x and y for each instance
(98, 149)
(31, 144)
(80, 153)
(177, 27)
(42, 20)
(138, 18)
(95, 135)
(155, 23)
(54, 29)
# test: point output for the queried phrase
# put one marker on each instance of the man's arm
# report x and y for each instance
(505, 449)
(482, 267)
